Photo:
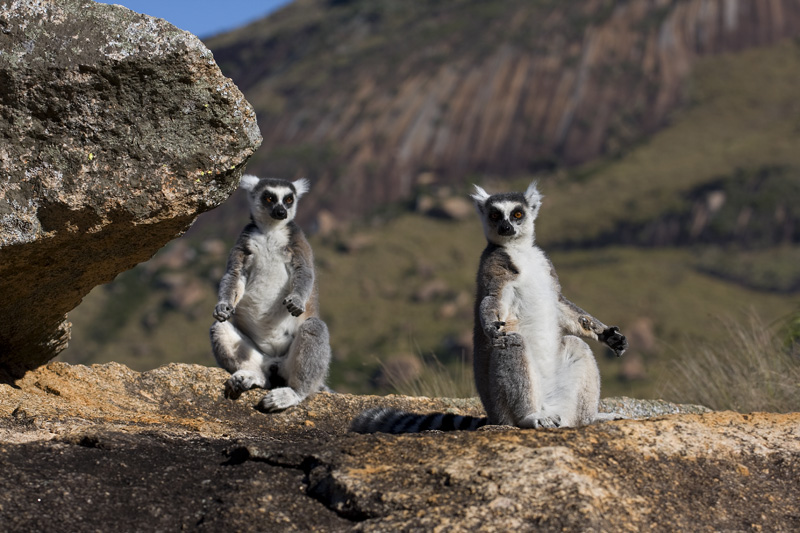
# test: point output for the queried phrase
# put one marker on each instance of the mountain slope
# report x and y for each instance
(368, 97)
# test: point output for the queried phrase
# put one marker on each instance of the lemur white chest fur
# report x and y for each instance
(263, 315)
(530, 304)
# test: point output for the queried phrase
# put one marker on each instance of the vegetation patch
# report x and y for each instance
(751, 369)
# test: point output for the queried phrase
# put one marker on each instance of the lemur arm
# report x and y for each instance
(301, 274)
(489, 313)
(495, 271)
(578, 322)
(232, 285)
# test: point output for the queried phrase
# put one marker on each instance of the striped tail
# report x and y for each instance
(386, 420)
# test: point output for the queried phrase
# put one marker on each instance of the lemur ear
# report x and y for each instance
(249, 182)
(301, 187)
(533, 197)
(480, 196)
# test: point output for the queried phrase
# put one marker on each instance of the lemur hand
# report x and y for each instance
(614, 339)
(494, 330)
(294, 305)
(223, 311)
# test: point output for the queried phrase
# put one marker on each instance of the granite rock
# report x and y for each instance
(117, 130)
(90, 448)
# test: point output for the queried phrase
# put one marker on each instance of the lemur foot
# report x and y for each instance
(279, 399)
(507, 341)
(614, 340)
(241, 381)
(294, 305)
(540, 420)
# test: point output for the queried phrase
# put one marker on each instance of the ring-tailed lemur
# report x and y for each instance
(268, 332)
(527, 372)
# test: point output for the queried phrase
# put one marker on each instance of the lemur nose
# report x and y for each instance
(505, 229)
(279, 213)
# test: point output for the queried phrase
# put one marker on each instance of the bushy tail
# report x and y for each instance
(386, 420)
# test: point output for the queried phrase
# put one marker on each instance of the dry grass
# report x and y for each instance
(753, 370)
(438, 380)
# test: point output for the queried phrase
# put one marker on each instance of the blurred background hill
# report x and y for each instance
(664, 135)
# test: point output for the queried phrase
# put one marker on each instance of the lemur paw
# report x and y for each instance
(614, 340)
(279, 399)
(294, 305)
(506, 341)
(540, 420)
(495, 329)
(241, 381)
(223, 311)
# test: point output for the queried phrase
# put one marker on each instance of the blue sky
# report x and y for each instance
(204, 18)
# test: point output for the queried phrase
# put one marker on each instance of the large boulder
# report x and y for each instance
(116, 131)
(103, 447)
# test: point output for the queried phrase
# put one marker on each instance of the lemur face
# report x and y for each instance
(508, 217)
(278, 202)
(273, 201)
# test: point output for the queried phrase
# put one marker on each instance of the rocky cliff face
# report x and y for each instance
(372, 98)
(94, 448)
(117, 130)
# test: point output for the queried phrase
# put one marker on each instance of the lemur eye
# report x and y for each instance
(517, 214)
(494, 215)
(269, 198)
(289, 200)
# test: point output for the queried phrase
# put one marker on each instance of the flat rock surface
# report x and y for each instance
(94, 448)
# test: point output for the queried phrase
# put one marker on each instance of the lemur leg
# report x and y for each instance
(238, 355)
(306, 367)
(575, 391)
(517, 390)
(509, 380)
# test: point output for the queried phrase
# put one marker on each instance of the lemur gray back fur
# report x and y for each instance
(527, 372)
(267, 331)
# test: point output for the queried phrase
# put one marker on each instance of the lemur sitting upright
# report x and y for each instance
(268, 332)
(527, 372)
